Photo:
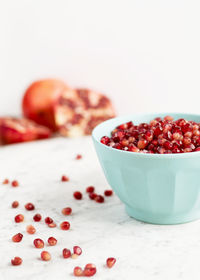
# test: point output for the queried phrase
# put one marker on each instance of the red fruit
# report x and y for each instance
(77, 250)
(67, 211)
(64, 178)
(78, 195)
(17, 237)
(16, 261)
(37, 217)
(48, 220)
(52, 241)
(108, 192)
(78, 271)
(92, 196)
(29, 206)
(78, 156)
(30, 229)
(90, 189)
(6, 181)
(110, 262)
(45, 256)
(89, 270)
(38, 243)
(15, 204)
(66, 253)
(19, 218)
(39, 101)
(15, 183)
(65, 225)
(99, 199)
(105, 140)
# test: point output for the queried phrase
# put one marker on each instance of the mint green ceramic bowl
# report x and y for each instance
(155, 188)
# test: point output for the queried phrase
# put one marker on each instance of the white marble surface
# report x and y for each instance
(143, 251)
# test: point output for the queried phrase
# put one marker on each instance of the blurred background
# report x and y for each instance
(144, 54)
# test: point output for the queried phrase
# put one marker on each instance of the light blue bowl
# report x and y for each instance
(155, 188)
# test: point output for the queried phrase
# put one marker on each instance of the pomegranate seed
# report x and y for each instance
(66, 211)
(168, 118)
(15, 183)
(197, 149)
(5, 182)
(45, 256)
(89, 270)
(19, 218)
(48, 220)
(38, 243)
(108, 192)
(52, 225)
(16, 261)
(15, 204)
(29, 206)
(78, 195)
(66, 253)
(105, 140)
(78, 156)
(52, 241)
(37, 217)
(30, 229)
(99, 199)
(110, 262)
(77, 250)
(92, 196)
(78, 271)
(17, 237)
(65, 225)
(90, 189)
(64, 178)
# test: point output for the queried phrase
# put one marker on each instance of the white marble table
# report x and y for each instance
(143, 251)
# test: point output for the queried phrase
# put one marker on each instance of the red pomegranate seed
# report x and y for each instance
(65, 225)
(66, 211)
(108, 192)
(16, 261)
(45, 256)
(52, 225)
(30, 229)
(110, 262)
(29, 206)
(38, 243)
(52, 241)
(78, 156)
(78, 195)
(19, 218)
(15, 183)
(90, 189)
(37, 217)
(89, 270)
(78, 271)
(17, 237)
(66, 253)
(77, 250)
(99, 199)
(105, 140)
(15, 204)
(92, 196)
(48, 220)
(64, 178)
(5, 182)
(197, 149)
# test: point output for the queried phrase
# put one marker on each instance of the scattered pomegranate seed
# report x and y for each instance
(48, 220)
(90, 189)
(15, 183)
(37, 217)
(66, 211)
(45, 256)
(29, 206)
(52, 225)
(77, 250)
(108, 192)
(78, 156)
(5, 182)
(99, 199)
(78, 271)
(19, 218)
(64, 178)
(65, 225)
(38, 243)
(66, 253)
(92, 196)
(17, 237)
(16, 261)
(89, 270)
(110, 262)
(15, 204)
(52, 241)
(30, 229)
(78, 195)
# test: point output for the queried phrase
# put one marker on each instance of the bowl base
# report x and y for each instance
(160, 220)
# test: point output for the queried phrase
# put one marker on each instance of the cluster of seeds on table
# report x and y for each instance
(159, 136)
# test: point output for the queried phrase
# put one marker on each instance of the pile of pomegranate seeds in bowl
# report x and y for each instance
(159, 136)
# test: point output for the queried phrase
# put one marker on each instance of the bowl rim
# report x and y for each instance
(145, 155)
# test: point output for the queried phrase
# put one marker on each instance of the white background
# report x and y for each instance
(143, 54)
